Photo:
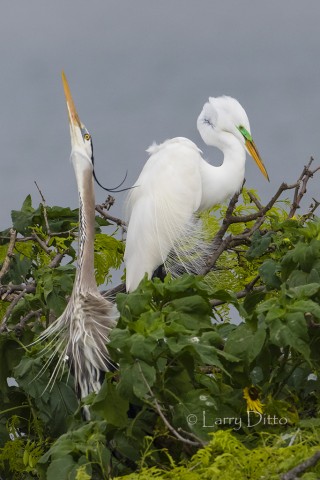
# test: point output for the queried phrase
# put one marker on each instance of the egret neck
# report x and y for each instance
(227, 178)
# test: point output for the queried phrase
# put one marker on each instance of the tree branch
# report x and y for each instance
(20, 326)
(221, 244)
(100, 209)
(197, 443)
(301, 187)
(302, 467)
(3, 325)
(44, 209)
(241, 294)
(9, 255)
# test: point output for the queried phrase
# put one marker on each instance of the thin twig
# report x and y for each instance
(42, 244)
(11, 288)
(20, 326)
(14, 302)
(44, 209)
(55, 262)
(302, 187)
(107, 216)
(220, 244)
(198, 443)
(241, 294)
(110, 201)
(9, 255)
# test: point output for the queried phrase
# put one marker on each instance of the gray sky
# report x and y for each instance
(141, 71)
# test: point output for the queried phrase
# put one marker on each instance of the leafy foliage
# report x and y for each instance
(226, 458)
(175, 406)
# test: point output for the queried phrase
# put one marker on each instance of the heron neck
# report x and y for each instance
(85, 273)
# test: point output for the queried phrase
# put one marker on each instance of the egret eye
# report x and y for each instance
(86, 136)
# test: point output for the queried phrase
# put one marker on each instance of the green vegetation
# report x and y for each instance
(176, 407)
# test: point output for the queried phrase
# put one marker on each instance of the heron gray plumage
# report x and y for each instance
(80, 335)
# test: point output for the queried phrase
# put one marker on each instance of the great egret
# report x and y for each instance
(80, 334)
(176, 183)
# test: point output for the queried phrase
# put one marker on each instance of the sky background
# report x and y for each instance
(140, 71)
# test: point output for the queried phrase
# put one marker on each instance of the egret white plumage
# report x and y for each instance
(176, 183)
(81, 333)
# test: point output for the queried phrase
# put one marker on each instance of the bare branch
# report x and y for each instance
(197, 443)
(301, 187)
(100, 209)
(9, 255)
(55, 262)
(241, 294)
(44, 209)
(221, 244)
(302, 467)
(3, 325)
(20, 326)
(110, 201)
(8, 289)
(42, 244)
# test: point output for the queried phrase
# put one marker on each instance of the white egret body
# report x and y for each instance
(176, 183)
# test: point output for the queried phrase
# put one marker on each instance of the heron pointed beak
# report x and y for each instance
(252, 149)
(74, 119)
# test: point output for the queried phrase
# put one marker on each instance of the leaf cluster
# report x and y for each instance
(182, 365)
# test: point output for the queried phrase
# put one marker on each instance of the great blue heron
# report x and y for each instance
(176, 183)
(81, 333)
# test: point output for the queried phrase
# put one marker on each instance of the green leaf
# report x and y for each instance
(136, 379)
(60, 468)
(305, 291)
(10, 354)
(268, 272)
(259, 244)
(292, 332)
(23, 219)
(142, 347)
(245, 342)
(110, 405)
(134, 304)
(108, 254)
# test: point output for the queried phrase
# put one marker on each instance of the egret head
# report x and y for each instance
(222, 122)
(81, 142)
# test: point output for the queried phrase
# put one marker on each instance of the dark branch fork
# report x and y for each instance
(222, 243)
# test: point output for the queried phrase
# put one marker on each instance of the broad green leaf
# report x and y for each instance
(136, 379)
(292, 332)
(60, 468)
(259, 245)
(111, 405)
(245, 342)
(268, 272)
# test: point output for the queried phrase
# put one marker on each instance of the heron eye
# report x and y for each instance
(86, 136)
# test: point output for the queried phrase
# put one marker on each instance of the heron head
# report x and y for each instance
(81, 141)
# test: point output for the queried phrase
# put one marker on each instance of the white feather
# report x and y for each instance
(175, 184)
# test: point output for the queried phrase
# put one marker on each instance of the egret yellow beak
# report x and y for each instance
(252, 149)
(74, 119)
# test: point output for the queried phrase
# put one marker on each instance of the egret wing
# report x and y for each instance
(161, 211)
